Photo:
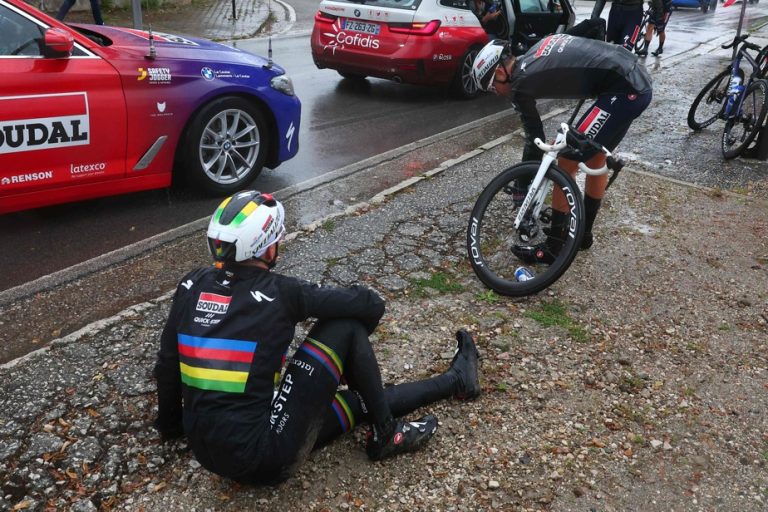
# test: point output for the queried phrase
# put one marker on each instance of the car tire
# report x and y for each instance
(351, 76)
(226, 145)
(463, 83)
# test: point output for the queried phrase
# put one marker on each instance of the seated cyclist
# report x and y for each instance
(565, 66)
(226, 341)
(659, 23)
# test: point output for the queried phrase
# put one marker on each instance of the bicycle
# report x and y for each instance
(640, 41)
(500, 221)
(743, 107)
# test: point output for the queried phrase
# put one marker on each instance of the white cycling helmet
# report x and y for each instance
(487, 61)
(245, 225)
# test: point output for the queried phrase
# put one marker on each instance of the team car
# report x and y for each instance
(425, 42)
(89, 111)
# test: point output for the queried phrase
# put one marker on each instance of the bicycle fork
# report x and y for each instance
(536, 194)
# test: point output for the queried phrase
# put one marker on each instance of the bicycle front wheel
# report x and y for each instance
(710, 102)
(493, 241)
(742, 129)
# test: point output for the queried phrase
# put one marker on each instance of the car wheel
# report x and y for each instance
(351, 76)
(464, 84)
(226, 146)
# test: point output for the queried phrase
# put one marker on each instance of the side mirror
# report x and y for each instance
(58, 43)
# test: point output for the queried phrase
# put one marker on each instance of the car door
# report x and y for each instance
(535, 19)
(62, 120)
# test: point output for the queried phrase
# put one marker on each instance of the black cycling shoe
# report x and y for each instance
(586, 242)
(642, 51)
(539, 253)
(408, 436)
(465, 364)
(658, 52)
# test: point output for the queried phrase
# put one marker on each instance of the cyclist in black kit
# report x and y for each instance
(658, 22)
(227, 339)
(624, 21)
(565, 66)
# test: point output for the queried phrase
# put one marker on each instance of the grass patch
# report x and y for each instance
(554, 314)
(439, 281)
(488, 296)
(328, 225)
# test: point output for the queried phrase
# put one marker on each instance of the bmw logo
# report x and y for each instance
(357, 13)
(207, 73)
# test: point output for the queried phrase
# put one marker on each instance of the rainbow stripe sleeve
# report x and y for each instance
(215, 364)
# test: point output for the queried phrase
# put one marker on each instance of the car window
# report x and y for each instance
(539, 6)
(411, 5)
(455, 4)
(19, 35)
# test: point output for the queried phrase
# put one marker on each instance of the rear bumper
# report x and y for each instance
(428, 61)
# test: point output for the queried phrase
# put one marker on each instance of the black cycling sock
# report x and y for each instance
(591, 207)
(556, 234)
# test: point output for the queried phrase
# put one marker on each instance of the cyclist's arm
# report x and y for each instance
(532, 125)
(326, 302)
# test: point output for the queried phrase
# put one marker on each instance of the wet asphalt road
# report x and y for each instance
(342, 123)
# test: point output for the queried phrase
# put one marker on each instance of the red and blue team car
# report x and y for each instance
(89, 111)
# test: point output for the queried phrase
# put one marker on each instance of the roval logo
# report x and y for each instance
(213, 303)
(594, 122)
(45, 121)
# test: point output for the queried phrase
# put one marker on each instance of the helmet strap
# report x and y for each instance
(271, 264)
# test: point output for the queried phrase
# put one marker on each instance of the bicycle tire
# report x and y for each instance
(714, 93)
(640, 41)
(491, 235)
(752, 121)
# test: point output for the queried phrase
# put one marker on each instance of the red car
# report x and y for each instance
(89, 111)
(427, 42)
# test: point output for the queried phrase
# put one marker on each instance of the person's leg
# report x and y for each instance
(649, 28)
(607, 123)
(332, 348)
(613, 30)
(460, 381)
(633, 18)
(66, 5)
(96, 11)
(662, 36)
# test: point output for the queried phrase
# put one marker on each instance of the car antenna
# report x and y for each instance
(152, 52)
(268, 65)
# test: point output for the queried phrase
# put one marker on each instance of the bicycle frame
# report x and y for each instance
(732, 109)
(537, 193)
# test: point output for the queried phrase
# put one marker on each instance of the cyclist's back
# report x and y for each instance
(564, 66)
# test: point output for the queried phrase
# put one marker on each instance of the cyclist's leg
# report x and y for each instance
(332, 348)
(606, 122)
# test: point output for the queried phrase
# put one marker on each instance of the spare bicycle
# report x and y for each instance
(743, 106)
(505, 217)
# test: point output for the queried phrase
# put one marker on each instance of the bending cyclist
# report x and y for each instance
(565, 66)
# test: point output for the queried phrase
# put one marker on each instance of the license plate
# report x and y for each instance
(362, 26)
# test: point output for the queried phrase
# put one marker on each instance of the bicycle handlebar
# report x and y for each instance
(562, 144)
(741, 39)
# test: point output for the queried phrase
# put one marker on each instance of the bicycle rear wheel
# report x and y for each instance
(741, 130)
(491, 233)
(710, 102)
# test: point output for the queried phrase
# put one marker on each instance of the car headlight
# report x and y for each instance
(283, 84)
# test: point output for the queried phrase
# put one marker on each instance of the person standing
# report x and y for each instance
(67, 5)
(657, 22)
(625, 19)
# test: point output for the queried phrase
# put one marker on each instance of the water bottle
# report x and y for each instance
(734, 90)
(735, 86)
(522, 274)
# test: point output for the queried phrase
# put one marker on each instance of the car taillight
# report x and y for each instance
(325, 17)
(418, 29)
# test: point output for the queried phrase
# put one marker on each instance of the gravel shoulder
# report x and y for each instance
(637, 382)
